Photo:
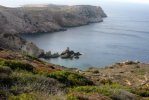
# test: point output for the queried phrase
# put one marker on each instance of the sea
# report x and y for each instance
(123, 35)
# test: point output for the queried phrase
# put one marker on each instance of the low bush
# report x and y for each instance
(13, 64)
(24, 83)
(24, 96)
(3, 95)
(144, 92)
(86, 96)
(5, 69)
(107, 89)
(70, 79)
(5, 73)
(36, 96)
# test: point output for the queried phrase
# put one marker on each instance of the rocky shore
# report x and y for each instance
(42, 19)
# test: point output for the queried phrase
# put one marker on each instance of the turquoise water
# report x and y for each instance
(124, 35)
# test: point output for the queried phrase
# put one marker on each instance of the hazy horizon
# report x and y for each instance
(16, 3)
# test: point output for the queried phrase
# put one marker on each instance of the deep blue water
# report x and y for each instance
(124, 35)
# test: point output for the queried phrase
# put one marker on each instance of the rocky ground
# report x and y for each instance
(134, 75)
(129, 73)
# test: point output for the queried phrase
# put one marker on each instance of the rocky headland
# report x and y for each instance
(42, 19)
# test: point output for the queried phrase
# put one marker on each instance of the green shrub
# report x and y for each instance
(72, 97)
(24, 96)
(36, 96)
(3, 95)
(107, 89)
(5, 69)
(105, 81)
(5, 73)
(24, 81)
(141, 92)
(70, 79)
(13, 64)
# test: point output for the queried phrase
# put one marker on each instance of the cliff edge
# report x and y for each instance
(49, 18)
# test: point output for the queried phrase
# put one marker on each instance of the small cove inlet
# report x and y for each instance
(124, 35)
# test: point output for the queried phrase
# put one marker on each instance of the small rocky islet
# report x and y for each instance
(66, 54)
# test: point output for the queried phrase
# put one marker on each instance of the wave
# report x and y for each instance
(120, 46)
(121, 34)
(138, 31)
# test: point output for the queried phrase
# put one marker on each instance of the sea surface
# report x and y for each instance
(124, 35)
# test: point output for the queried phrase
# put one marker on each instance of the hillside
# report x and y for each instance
(23, 77)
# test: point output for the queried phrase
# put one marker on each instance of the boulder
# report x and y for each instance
(66, 55)
(76, 57)
(48, 54)
(77, 54)
(55, 55)
(65, 51)
(125, 95)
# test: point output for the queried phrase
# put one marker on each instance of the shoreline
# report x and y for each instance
(63, 29)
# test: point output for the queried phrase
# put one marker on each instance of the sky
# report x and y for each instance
(15, 3)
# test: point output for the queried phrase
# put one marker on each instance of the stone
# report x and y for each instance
(48, 54)
(125, 95)
(65, 56)
(55, 55)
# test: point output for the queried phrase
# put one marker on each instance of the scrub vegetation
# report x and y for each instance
(23, 77)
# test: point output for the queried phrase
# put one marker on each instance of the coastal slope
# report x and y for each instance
(24, 77)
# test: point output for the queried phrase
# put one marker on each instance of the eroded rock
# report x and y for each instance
(70, 54)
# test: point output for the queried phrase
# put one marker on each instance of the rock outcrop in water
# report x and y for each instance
(41, 19)
(69, 54)
(66, 54)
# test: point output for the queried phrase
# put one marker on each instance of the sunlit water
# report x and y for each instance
(124, 35)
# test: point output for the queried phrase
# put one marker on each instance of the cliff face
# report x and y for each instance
(47, 18)
(14, 42)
